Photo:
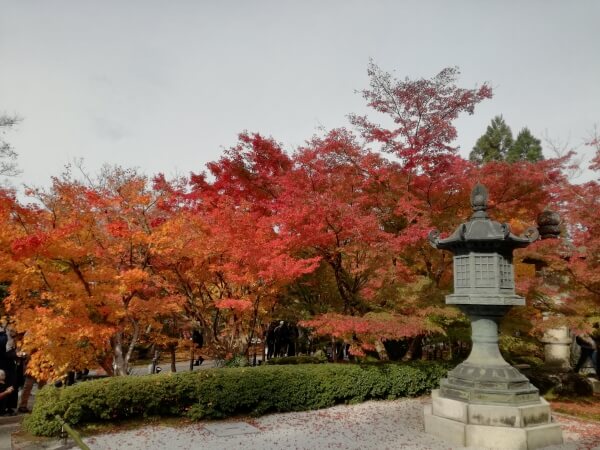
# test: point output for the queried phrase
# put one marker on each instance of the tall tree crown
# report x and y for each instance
(525, 148)
(494, 144)
(497, 144)
(422, 111)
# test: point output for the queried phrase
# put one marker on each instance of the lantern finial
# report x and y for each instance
(479, 201)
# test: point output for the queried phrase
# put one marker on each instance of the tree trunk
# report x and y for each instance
(132, 344)
(381, 351)
(264, 345)
(254, 322)
(119, 363)
(413, 348)
(120, 358)
(333, 350)
(173, 365)
(191, 356)
(106, 364)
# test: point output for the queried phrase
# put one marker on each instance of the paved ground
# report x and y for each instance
(5, 431)
(371, 425)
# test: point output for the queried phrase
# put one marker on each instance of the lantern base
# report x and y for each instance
(502, 385)
(491, 426)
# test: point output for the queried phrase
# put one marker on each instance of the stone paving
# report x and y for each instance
(372, 425)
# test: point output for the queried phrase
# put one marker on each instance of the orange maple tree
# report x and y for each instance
(82, 286)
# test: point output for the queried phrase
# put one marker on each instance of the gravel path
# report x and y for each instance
(372, 425)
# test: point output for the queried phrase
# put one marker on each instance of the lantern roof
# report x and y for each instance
(481, 233)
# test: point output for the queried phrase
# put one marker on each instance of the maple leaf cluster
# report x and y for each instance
(333, 233)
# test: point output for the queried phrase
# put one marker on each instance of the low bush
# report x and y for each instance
(553, 384)
(284, 360)
(236, 361)
(218, 393)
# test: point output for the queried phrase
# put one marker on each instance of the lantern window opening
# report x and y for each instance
(485, 271)
(462, 271)
(506, 273)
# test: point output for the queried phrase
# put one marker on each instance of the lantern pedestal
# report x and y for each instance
(484, 401)
(485, 377)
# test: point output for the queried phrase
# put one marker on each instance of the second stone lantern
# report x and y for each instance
(485, 401)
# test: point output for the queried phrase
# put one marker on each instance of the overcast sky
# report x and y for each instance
(167, 85)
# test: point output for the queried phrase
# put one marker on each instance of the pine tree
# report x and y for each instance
(494, 144)
(525, 148)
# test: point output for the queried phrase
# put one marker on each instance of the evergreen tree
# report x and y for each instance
(494, 144)
(525, 148)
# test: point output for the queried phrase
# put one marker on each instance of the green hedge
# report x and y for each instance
(218, 393)
(303, 359)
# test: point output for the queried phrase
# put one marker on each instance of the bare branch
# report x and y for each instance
(8, 157)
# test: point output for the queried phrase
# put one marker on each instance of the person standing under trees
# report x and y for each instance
(292, 337)
(4, 364)
(270, 340)
(198, 343)
(596, 338)
(280, 335)
(8, 364)
(28, 383)
(5, 390)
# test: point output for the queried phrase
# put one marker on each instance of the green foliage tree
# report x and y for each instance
(494, 144)
(525, 148)
(497, 144)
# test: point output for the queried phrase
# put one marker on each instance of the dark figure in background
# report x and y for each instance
(21, 367)
(281, 341)
(8, 363)
(3, 344)
(270, 340)
(596, 338)
(292, 338)
(5, 389)
(28, 383)
(4, 368)
(588, 346)
(198, 341)
(70, 379)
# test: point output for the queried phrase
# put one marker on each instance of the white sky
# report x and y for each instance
(166, 85)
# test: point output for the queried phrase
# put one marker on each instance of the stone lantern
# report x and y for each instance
(557, 341)
(485, 401)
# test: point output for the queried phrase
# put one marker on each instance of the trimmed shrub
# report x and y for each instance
(284, 360)
(218, 393)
